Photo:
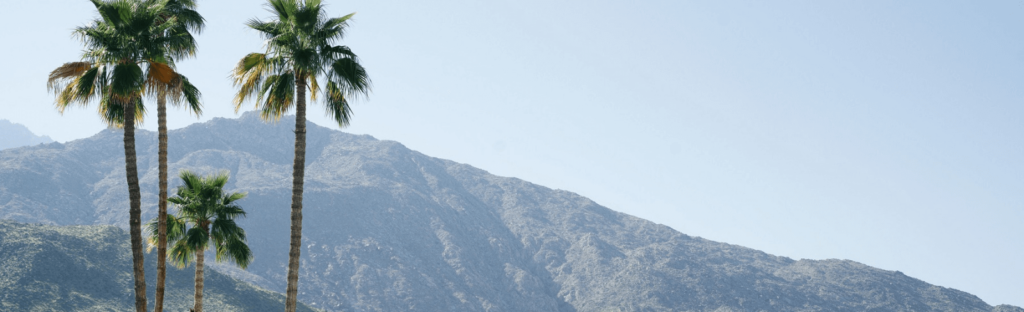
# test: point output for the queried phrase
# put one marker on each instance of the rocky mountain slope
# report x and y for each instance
(389, 229)
(88, 268)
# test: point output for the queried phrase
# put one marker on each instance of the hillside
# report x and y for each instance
(17, 135)
(88, 268)
(389, 229)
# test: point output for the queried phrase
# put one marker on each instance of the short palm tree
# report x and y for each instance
(125, 47)
(301, 54)
(206, 217)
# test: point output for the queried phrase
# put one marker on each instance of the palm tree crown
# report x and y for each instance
(206, 217)
(129, 49)
(176, 20)
(300, 50)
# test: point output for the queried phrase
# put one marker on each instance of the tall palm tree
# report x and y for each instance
(179, 90)
(206, 216)
(123, 49)
(300, 54)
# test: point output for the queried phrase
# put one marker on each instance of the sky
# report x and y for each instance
(886, 132)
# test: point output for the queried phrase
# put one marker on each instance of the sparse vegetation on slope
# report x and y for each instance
(88, 268)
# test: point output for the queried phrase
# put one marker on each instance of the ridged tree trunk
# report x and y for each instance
(135, 204)
(198, 307)
(298, 172)
(161, 244)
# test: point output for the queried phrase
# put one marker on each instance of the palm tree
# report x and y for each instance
(206, 216)
(179, 90)
(124, 48)
(300, 54)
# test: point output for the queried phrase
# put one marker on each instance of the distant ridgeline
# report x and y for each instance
(389, 229)
(89, 268)
(16, 135)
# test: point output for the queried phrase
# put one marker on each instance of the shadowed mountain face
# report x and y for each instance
(16, 135)
(88, 268)
(389, 229)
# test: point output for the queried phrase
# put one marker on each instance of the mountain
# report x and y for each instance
(88, 268)
(389, 229)
(16, 135)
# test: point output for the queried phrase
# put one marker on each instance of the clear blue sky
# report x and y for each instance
(886, 132)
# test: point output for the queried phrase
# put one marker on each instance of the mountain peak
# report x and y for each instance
(17, 135)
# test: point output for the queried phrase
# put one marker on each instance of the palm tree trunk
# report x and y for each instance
(135, 205)
(298, 172)
(198, 307)
(161, 245)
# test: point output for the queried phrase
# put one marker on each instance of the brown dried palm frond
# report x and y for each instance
(66, 72)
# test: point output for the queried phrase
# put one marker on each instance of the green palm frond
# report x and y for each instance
(181, 253)
(80, 83)
(230, 211)
(191, 181)
(248, 76)
(74, 83)
(218, 181)
(283, 8)
(267, 30)
(177, 42)
(337, 52)
(185, 14)
(276, 95)
(350, 76)
(333, 29)
(336, 105)
(235, 250)
(230, 199)
(112, 111)
(197, 236)
(223, 229)
(300, 46)
(205, 217)
(128, 81)
(186, 93)
(175, 231)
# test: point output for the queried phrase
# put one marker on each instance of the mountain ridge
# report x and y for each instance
(17, 135)
(390, 229)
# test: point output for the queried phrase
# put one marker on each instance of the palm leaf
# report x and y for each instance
(111, 110)
(206, 216)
